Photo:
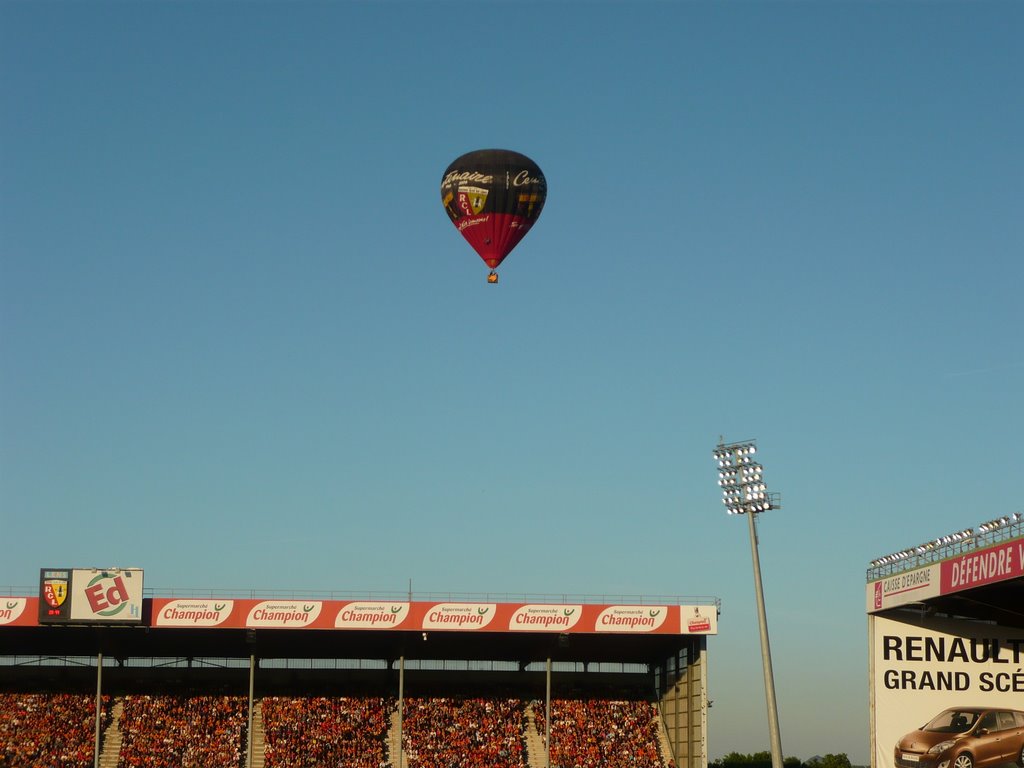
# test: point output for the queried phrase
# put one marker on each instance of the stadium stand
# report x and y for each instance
(329, 731)
(44, 729)
(182, 731)
(465, 732)
(209, 731)
(602, 733)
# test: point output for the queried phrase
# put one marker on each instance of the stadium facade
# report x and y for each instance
(946, 632)
(98, 630)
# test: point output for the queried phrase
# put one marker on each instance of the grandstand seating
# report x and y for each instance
(464, 732)
(48, 729)
(593, 733)
(316, 730)
(183, 731)
(165, 731)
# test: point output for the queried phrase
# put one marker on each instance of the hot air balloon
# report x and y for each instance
(493, 197)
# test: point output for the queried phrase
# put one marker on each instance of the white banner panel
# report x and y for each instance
(11, 609)
(106, 595)
(903, 588)
(371, 615)
(276, 614)
(631, 618)
(922, 666)
(193, 613)
(545, 618)
(699, 619)
(459, 616)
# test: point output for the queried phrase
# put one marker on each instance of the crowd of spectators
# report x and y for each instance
(464, 732)
(329, 732)
(48, 729)
(183, 731)
(601, 733)
(57, 730)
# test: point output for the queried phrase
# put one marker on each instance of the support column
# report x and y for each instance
(99, 711)
(547, 716)
(252, 678)
(401, 710)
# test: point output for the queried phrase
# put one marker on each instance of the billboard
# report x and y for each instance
(433, 617)
(13, 611)
(86, 596)
(1001, 562)
(90, 596)
(921, 665)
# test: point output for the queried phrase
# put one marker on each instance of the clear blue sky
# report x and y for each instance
(241, 345)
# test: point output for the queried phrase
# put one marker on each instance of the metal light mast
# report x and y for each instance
(744, 493)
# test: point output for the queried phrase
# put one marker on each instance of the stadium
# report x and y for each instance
(98, 671)
(946, 648)
(95, 670)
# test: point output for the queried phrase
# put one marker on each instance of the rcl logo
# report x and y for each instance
(106, 598)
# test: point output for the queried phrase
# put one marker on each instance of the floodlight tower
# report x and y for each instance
(744, 493)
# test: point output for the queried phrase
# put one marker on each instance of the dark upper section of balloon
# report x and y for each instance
(493, 162)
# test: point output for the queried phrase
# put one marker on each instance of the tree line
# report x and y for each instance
(764, 760)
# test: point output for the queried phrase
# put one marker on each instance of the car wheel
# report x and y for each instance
(963, 761)
(1020, 757)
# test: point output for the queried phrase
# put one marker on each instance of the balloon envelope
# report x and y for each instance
(493, 197)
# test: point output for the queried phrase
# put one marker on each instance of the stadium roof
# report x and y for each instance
(974, 574)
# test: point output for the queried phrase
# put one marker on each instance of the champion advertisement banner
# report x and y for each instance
(104, 596)
(193, 613)
(17, 611)
(435, 617)
(379, 614)
(922, 667)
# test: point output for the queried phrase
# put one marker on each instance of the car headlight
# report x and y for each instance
(941, 747)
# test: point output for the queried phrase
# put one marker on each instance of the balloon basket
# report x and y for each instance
(493, 277)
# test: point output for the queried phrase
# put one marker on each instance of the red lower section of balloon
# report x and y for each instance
(493, 235)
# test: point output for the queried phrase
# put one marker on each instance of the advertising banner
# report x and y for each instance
(115, 595)
(90, 596)
(921, 667)
(111, 595)
(544, 617)
(986, 566)
(903, 588)
(192, 613)
(17, 612)
(1001, 562)
(435, 617)
(699, 619)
